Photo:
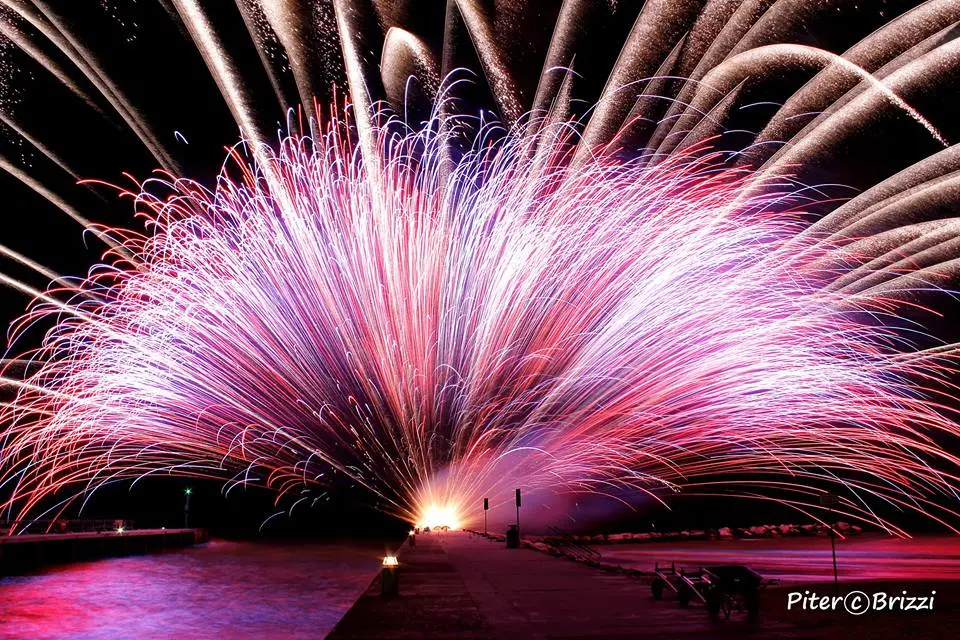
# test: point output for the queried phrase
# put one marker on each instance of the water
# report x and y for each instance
(221, 590)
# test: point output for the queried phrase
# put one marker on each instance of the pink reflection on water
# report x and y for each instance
(222, 590)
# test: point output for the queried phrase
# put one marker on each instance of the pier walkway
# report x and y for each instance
(456, 585)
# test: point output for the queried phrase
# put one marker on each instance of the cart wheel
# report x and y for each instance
(752, 603)
(726, 606)
(657, 588)
(714, 603)
(684, 595)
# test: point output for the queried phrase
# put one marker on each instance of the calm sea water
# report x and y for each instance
(221, 590)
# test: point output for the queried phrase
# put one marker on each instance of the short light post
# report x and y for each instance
(486, 507)
(390, 577)
(413, 538)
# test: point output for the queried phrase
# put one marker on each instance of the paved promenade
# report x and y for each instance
(455, 585)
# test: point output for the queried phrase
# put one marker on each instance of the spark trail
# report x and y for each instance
(437, 332)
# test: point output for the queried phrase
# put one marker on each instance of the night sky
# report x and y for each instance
(163, 77)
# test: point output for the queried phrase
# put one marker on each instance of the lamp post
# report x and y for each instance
(830, 500)
(513, 530)
(486, 507)
(518, 512)
(186, 507)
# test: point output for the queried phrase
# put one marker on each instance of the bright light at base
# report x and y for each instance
(439, 516)
(390, 561)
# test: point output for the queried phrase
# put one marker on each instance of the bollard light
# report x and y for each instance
(413, 538)
(390, 577)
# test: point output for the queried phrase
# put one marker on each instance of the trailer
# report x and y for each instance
(723, 589)
(665, 577)
(683, 583)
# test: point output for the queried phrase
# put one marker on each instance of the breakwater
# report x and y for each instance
(29, 552)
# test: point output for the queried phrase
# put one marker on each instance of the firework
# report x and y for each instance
(440, 332)
(437, 307)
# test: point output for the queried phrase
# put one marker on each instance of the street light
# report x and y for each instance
(831, 500)
(513, 530)
(186, 507)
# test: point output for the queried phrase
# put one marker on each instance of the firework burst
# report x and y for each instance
(439, 330)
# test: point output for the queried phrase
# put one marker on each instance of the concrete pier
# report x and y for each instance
(458, 585)
(28, 552)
